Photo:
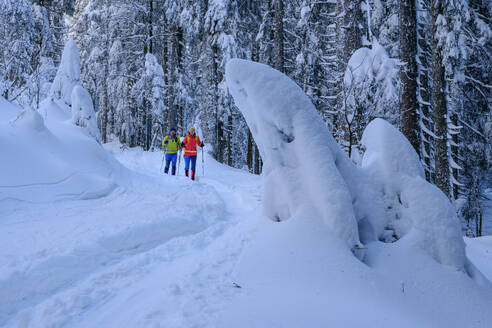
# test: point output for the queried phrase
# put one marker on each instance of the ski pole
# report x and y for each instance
(203, 165)
(179, 159)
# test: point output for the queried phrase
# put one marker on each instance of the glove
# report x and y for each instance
(165, 142)
(182, 145)
(203, 144)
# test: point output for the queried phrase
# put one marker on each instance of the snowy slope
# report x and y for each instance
(305, 279)
(48, 158)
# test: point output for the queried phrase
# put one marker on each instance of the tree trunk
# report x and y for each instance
(423, 90)
(439, 106)
(172, 48)
(220, 142)
(257, 160)
(218, 125)
(249, 156)
(455, 154)
(479, 228)
(148, 134)
(151, 26)
(349, 39)
(229, 140)
(104, 118)
(279, 35)
(409, 118)
(179, 58)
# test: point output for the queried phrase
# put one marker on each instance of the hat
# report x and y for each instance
(172, 129)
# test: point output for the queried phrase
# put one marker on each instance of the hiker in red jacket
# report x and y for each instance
(189, 144)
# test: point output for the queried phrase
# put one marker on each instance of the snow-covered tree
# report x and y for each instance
(370, 91)
(83, 114)
(17, 33)
(148, 96)
(68, 74)
(473, 117)
(44, 55)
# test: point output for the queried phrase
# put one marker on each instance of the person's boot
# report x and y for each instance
(192, 175)
(186, 172)
(174, 170)
(166, 169)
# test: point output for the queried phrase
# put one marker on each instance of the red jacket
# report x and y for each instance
(189, 143)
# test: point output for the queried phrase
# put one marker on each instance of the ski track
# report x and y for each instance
(64, 285)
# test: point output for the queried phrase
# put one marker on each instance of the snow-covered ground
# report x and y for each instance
(167, 252)
(156, 250)
(171, 253)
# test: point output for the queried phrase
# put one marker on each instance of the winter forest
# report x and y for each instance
(331, 163)
(425, 66)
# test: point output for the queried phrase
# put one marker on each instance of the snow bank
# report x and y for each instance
(479, 250)
(420, 211)
(292, 274)
(68, 74)
(52, 159)
(301, 158)
(305, 171)
(83, 113)
(52, 155)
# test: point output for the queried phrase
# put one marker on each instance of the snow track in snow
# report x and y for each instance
(85, 255)
(23, 289)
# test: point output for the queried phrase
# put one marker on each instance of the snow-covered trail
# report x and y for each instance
(161, 251)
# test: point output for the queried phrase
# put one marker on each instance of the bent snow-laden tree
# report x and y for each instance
(68, 74)
(83, 114)
(307, 175)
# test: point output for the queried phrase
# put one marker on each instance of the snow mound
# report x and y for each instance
(68, 74)
(421, 210)
(83, 113)
(301, 158)
(387, 150)
(306, 174)
(48, 160)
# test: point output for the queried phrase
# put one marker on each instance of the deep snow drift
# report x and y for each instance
(300, 156)
(305, 276)
(419, 210)
(53, 159)
(306, 174)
